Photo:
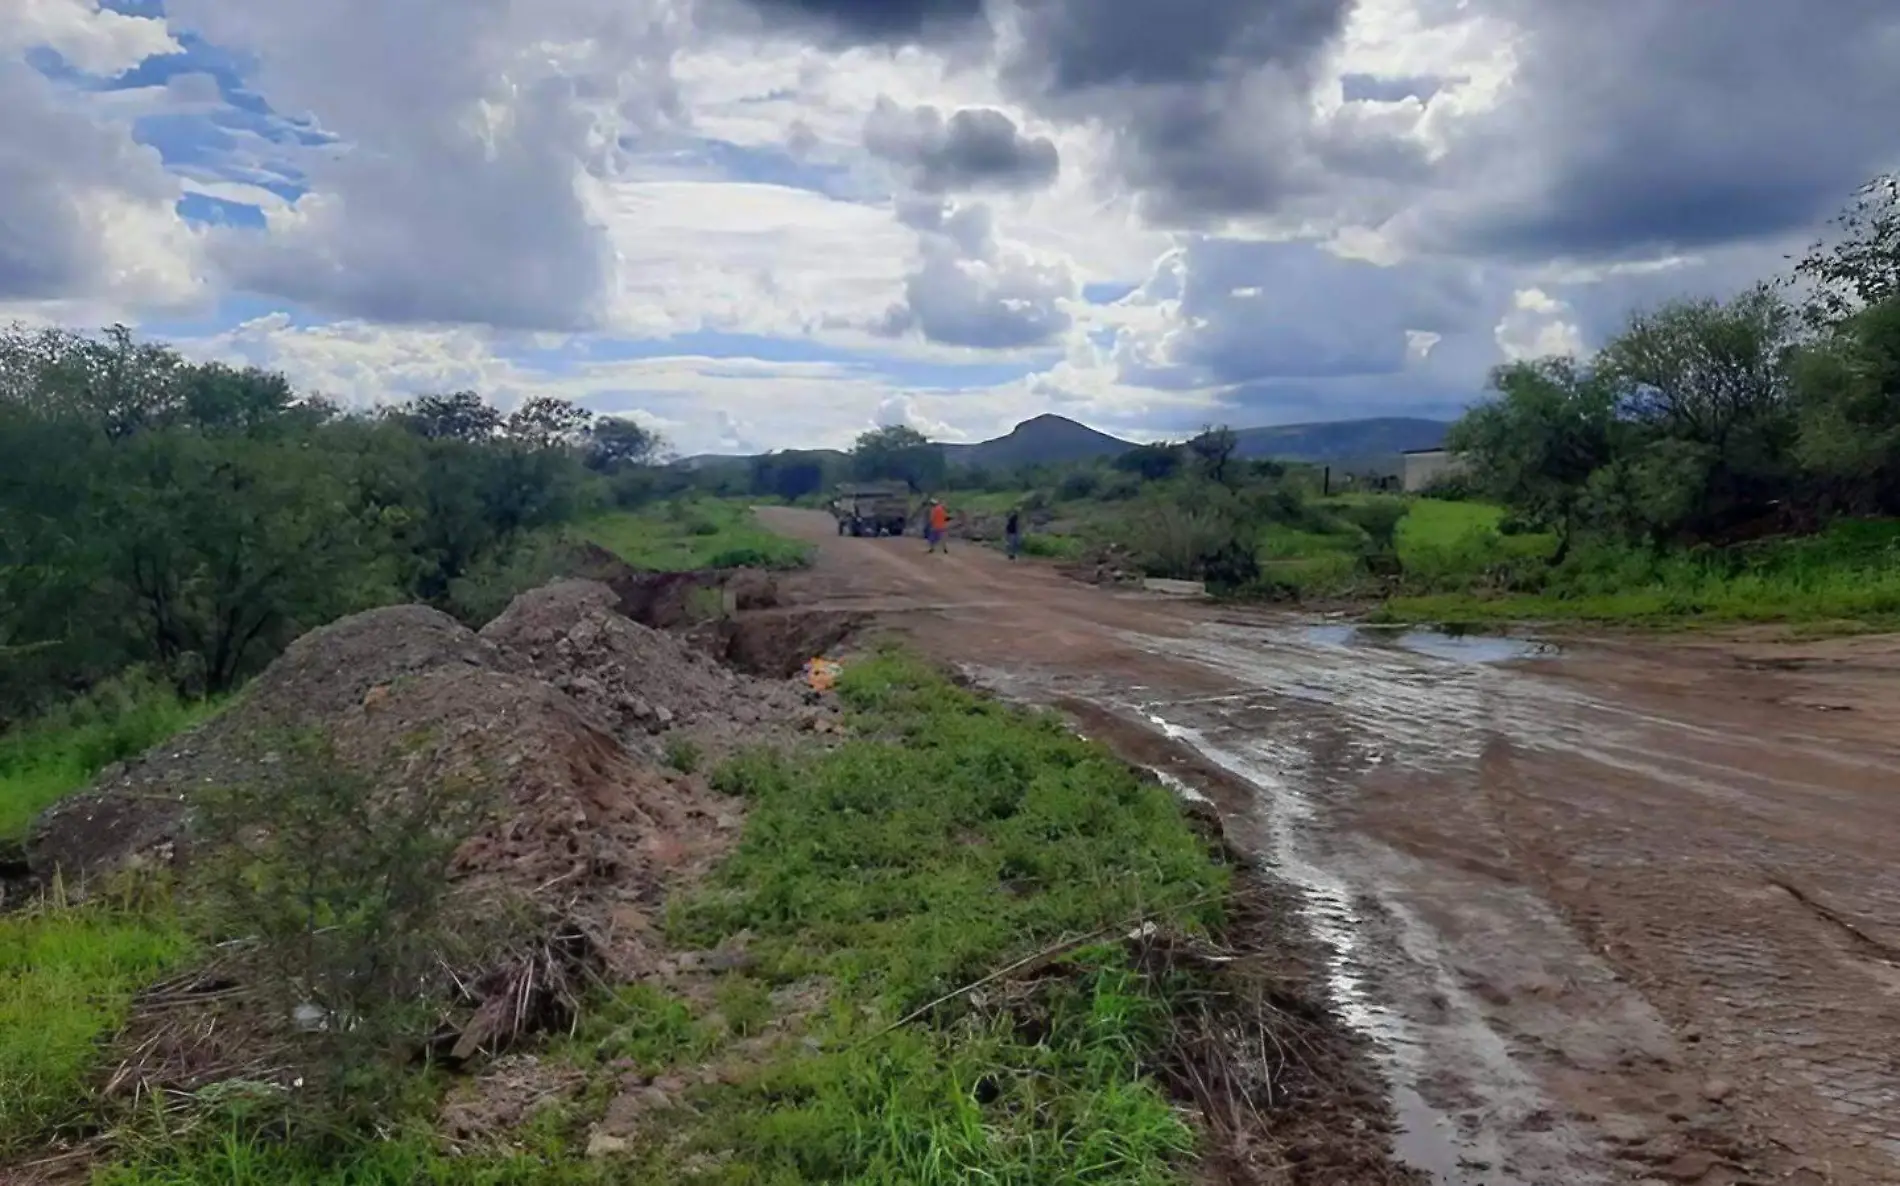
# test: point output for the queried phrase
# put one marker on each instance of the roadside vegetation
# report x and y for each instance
(935, 984)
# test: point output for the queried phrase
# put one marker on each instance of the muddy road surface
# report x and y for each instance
(1606, 911)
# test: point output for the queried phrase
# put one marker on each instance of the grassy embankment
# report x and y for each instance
(1846, 577)
(948, 838)
(692, 533)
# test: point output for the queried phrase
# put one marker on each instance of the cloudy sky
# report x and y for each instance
(759, 223)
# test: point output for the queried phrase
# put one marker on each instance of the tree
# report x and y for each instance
(1861, 268)
(1214, 449)
(545, 422)
(114, 383)
(1156, 462)
(788, 475)
(615, 442)
(1700, 370)
(898, 453)
(218, 398)
(1712, 376)
(223, 552)
(1535, 446)
(457, 416)
(1847, 391)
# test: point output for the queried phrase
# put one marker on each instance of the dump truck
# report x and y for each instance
(871, 509)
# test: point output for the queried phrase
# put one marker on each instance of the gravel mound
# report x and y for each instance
(640, 682)
(333, 667)
(576, 825)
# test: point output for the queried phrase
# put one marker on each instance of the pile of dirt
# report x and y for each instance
(577, 827)
(642, 683)
(564, 654)
(137, 811)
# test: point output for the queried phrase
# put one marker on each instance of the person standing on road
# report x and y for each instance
(939, 526)
(1013, 532)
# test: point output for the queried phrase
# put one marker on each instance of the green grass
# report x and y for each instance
(1046, 545)
(236, 1155)
(67, 976)
(692, 534)
(959, 836)
(50, 757)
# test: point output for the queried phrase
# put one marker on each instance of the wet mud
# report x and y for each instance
(1597, 910)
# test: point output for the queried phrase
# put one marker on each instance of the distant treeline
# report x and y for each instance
(193, 518)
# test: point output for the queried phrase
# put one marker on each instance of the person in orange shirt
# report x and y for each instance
(939, 526)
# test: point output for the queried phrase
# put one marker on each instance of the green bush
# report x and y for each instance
(1078, 484)
(342, 883)
(682, 754)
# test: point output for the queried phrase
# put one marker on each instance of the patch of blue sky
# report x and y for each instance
(195, 56)
(207, 149)
(198, 138)
(205, 210)
(232, 310)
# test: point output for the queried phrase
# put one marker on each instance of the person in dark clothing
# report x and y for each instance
(1013, 532)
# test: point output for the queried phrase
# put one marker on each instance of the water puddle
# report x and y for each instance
(1455, 646)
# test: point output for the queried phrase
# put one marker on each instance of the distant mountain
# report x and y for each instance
(1057, 440)
(1045, 440)
(1342, 440)
(1048, 440)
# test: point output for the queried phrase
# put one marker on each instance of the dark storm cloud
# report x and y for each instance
(1640, 126)
(1205, 101)
(861, 21)
(976, 148)
(1080, 45)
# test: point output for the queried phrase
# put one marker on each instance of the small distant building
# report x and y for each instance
(1422, 467)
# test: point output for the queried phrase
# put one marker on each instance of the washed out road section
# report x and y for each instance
(1615, 910)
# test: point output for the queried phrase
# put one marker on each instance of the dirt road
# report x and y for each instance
(1622, 911)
